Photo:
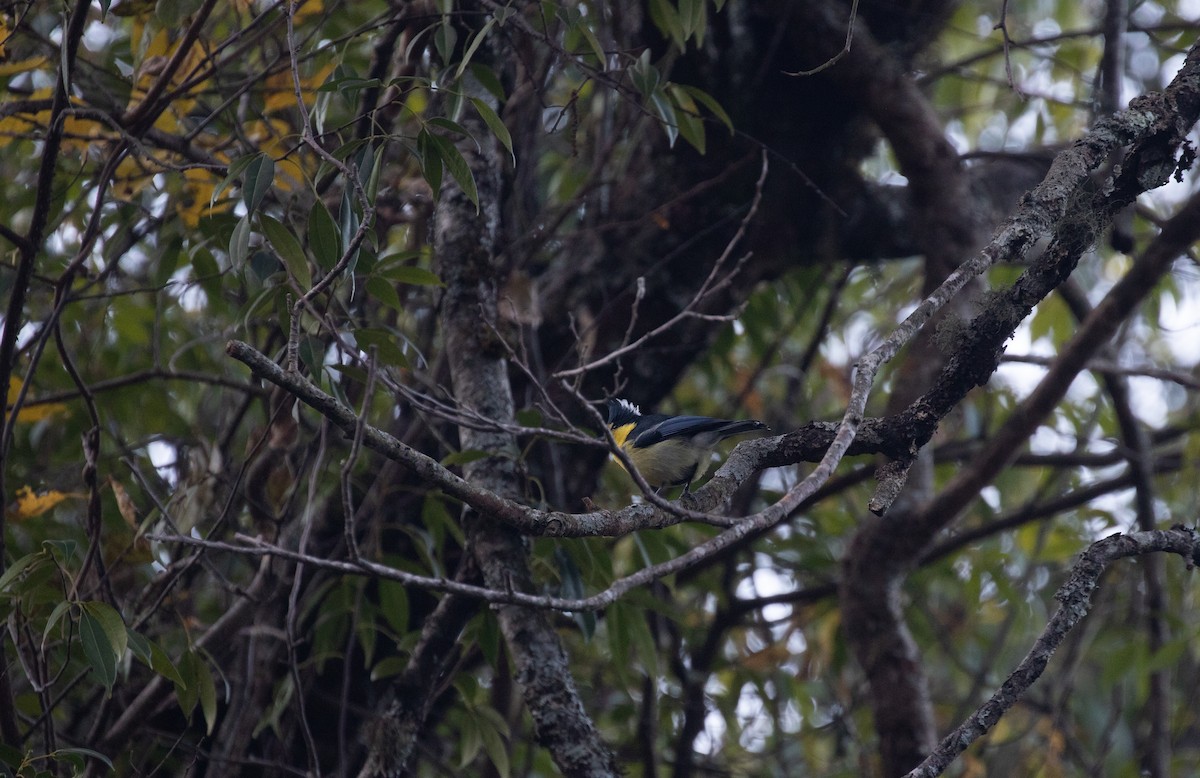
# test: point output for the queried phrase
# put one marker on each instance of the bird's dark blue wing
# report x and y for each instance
(679, 426)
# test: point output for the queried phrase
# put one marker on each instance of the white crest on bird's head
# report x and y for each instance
(621, 411)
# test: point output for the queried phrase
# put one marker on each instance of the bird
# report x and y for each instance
(670, 450)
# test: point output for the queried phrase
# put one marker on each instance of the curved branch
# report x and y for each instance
(1075, 599)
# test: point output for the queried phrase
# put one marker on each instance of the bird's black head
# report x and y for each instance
(622, 412)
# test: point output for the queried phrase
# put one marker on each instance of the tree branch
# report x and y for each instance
(1074, 597)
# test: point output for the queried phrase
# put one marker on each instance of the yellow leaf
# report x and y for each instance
(32, 411)
(30, 504)
(307, 8)
(23, 66)
(31, 414)
(195, 198)
(289, 175)
(159, 52)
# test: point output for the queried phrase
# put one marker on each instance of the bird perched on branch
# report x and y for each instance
(670, 450)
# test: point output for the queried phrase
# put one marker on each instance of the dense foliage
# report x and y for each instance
(308, 307)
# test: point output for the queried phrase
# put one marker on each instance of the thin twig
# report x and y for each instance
(347, 473)
(1002, 26)
(347, 171)
(836, 57)
(293, 611)
(710, 285)
(1115, 368)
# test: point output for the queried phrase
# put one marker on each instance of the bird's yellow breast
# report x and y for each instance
(621, 434)
(665, 463)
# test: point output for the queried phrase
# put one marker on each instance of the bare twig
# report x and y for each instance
(347, 473)
(1181, 378)
(293, 610)
(711, 284)
(1002, 26)
(836, 57)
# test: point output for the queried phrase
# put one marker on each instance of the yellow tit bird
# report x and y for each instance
(670, 450)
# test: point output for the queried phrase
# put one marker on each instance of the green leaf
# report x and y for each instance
(473, 45)
(372, 183)
(81, 751)
(643, 639)
(470, 741)
(493, 742)
(487, 79)
(239, 242)
(435, 515)
(692, 130)
(666, 112)
(384, 343)
(113, 624)
(693, 19)
(207, 273)
(323, 237)
(199, 688)
(284, 691)
(11, 757)
(55, 615)
(18, 567)
(348, 224)
(586, 32)
(139, 646)
(431, 160)
(465, 456)
(530, 417)
(393, 602)
(384, 291)
(449, 126)
(666, 18)
(350, 371)
(645, 76)
(63, 550)
(460, 171)
(388, 667)
(617, 629)
(287, 247)
(572, 587)
(186, 688)
(97, 649)
(444, 38)
(151, 654)
(233, 173)
(260, 174)
(707, 100)
(366, 632)
(488, 637)
(495, 124)
(690, 126)
(409, 274)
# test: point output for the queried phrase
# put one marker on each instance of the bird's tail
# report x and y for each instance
(741, 428)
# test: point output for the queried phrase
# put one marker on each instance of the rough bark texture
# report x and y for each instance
(465, 243)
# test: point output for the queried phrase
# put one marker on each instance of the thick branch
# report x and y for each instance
(465, 245)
